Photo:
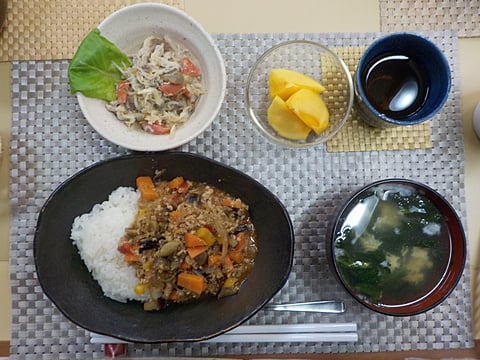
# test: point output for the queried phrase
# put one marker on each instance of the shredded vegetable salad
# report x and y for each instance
(159, 92)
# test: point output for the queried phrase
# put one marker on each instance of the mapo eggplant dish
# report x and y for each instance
(188, 240)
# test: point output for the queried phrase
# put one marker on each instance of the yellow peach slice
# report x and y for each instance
(285, 122)
(284, 82)
(310, 108)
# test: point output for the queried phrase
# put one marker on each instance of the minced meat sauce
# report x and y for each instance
(188, 240)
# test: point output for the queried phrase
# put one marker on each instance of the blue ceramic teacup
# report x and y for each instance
(401, 79)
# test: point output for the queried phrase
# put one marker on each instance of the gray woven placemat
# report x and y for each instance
(51, 141)
(462, 16)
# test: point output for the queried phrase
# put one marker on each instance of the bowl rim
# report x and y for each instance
(148, 142)
(456, 265)
(284, 141)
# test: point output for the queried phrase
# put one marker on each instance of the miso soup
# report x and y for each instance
(392, 247)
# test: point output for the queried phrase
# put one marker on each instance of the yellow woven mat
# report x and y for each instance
(356, 135)
(52, 30)
(425, 15)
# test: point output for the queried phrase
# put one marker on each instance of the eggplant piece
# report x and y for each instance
(148, 244)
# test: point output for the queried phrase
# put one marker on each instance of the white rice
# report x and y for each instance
(96, 235)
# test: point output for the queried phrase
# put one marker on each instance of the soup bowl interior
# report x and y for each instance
(398, 247)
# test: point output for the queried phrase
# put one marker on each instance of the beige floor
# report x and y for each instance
(297, 16)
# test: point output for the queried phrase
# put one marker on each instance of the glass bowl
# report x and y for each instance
(314, 60)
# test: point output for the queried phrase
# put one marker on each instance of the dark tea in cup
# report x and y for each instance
(396, 85)
(401, 79)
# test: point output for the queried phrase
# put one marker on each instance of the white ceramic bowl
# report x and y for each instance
(127, 28)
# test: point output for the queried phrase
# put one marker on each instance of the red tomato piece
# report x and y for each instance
(188, 67)
(170, 89)
(156, 129)
(187, 93)
(122, 91)
(125, 248)
(183, 188)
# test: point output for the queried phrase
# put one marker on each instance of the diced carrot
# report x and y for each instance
(179, 185)
(146, 187)
(192, 240)
(174, 296)
(193, 252)
(175, 182)
(235, 256)
(227, 202)
(242, 241)
(175, 215)
(214, 259)
(122, 91)
(227, 264)
(192, 282)
(187, 67)
(130, 257)
(232, 203)
(185, 265)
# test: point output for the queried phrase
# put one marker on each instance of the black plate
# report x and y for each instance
(67, 282)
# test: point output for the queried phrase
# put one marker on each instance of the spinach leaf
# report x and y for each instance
(364, 277)
(94, 69)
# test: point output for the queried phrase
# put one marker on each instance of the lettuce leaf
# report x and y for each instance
(94, 69)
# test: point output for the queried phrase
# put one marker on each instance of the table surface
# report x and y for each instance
(228, 16)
